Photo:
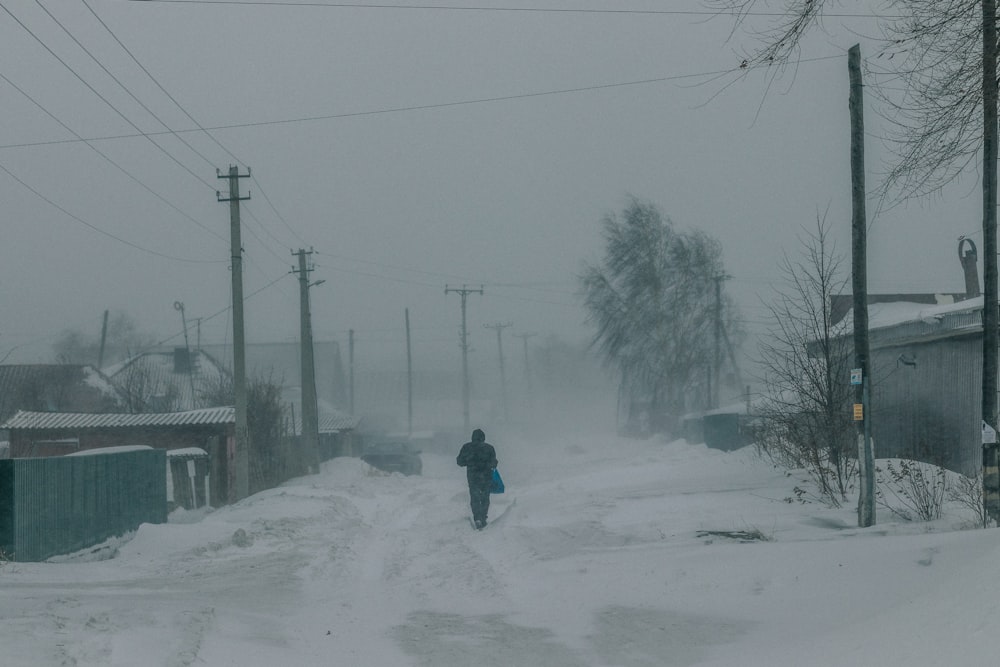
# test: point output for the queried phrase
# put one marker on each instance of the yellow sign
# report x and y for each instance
(859, 412)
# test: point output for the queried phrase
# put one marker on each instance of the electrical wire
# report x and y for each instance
(152, 78)
(122, 85)
(183, 110)
(98, 229)
(106, 157)
(425, 107)
(534, 10)
(149, 137)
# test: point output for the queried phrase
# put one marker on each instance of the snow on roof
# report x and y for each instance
(187, 452)
(111, 450)
(882, 315)
(330, 420)
(336, 421)
(27, 420)
(897, 322)
(732, 409)
(163, 377)
(98, 380)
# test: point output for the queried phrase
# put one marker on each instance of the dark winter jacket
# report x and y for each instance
(479, 459)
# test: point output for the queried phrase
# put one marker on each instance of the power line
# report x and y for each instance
(534, 10)
(102, 98)
(106, 157)
(144, 106)
(120, 84)
(424, 107)
(221, 311)
(158, 85)
(201, 129)
(98, 229)
(267, 199)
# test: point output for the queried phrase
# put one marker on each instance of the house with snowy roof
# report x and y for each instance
(55, 387)
(167, 381)
(926, 380)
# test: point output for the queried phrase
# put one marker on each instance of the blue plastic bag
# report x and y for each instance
(497, 486)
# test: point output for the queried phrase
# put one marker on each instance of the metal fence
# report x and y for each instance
(59, 505)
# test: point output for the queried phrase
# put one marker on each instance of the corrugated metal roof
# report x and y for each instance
(25, 420)
(340, 421)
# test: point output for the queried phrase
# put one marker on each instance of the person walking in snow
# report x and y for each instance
(479, 459)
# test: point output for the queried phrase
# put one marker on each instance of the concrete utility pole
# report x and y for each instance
(310, 409)
(859, 284)
(464, 293)
(241, 454)
(409, 378)
(503, 378)
(527, 370)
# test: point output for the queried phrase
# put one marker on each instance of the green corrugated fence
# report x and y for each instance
(58, 505)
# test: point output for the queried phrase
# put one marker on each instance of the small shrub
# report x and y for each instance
(5, 559)
(968, 492)
(911, 490)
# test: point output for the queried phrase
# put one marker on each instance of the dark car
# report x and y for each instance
(395, 456)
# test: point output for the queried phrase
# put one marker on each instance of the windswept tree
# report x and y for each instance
(804, 417)
(653, 302)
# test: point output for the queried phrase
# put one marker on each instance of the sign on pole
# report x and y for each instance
(989, 434)
(859, 412)
(855, 376)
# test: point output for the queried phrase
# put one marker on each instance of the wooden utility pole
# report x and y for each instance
(179, 305)
(859, 283)
(104, 337)
(464, 293)
(499, 327)
(409, 378)
(527, 370)
(719, 332)
(350, 369)
(310, 409)
(991, 337)
(241, 450)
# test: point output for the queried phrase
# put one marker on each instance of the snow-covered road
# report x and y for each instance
(604, 560)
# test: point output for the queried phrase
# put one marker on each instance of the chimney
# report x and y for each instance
(182, 360)
(968, 259)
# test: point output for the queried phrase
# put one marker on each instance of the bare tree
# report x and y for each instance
(273, 459)
(123, 340)
(142, 390)
(803, 420)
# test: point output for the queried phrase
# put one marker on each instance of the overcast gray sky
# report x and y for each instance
(411, 148)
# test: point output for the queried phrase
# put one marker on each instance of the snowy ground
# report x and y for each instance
(602, 561)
